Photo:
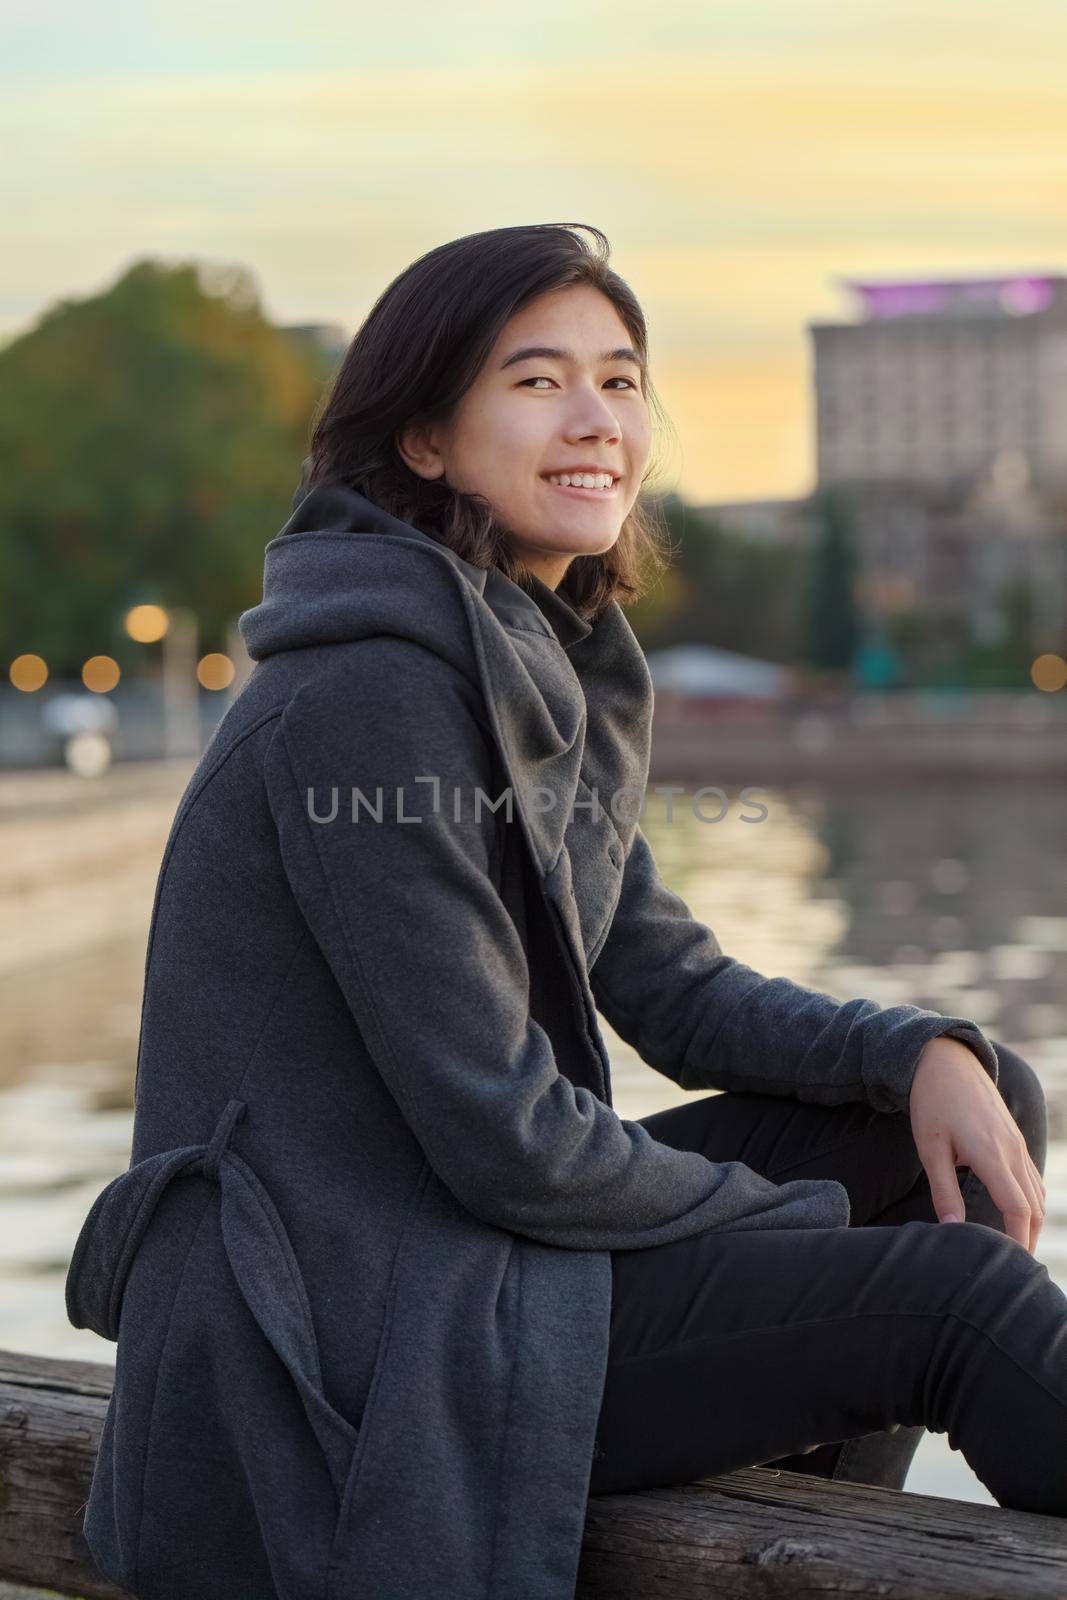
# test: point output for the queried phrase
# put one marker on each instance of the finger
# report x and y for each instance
(1035, 1188)
(1039, 1180)
(1009, 1197)
(944, 1185)
(1032, 1185)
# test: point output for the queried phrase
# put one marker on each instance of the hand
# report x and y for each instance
(960, 1119)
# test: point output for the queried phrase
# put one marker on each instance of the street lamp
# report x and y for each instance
(177, 629)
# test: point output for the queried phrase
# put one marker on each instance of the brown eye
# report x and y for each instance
(547, 379)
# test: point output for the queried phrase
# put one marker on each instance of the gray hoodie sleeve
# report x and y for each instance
(707, 1021)
(407, 914)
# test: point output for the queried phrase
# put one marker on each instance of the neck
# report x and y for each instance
(551, 569)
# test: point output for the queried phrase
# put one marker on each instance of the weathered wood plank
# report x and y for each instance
(750, 1535)
(763, 1533)
(51, 1413)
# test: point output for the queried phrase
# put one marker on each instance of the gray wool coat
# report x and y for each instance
(359, 1270)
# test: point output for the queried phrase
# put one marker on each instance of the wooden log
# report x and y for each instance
(51, 1414)
(756, 1534)
(760, 1532)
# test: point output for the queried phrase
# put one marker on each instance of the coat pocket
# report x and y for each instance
(259, 1253)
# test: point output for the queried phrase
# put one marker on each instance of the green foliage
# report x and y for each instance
(832, 615)
(723, 589)
(150, 440)
(942, 652)
(1006, 663)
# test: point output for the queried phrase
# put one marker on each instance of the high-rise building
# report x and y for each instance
(941, 424)
(941, 382)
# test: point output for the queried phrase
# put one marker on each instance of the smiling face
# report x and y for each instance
(528, 418)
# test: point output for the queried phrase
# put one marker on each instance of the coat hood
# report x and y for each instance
(324, 581)
(570, 701)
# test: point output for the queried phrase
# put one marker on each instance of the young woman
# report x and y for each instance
(393, 1286)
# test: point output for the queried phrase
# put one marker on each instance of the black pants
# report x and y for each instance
(749, 1349)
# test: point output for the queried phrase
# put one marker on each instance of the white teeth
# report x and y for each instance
(582, 480)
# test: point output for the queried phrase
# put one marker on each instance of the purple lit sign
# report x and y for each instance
(1020, 296)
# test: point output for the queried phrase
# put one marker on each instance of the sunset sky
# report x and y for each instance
(741, 159)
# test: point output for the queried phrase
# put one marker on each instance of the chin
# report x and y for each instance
(562, 547)
(597, 547)
(578, 543)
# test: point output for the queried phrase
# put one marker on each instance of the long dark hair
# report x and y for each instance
(417, 352)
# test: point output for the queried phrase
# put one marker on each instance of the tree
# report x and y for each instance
(150, 441)
(832, 616)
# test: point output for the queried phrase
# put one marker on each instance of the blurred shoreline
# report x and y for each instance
(902, 738)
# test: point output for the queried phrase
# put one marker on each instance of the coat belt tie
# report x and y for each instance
(259, 1251)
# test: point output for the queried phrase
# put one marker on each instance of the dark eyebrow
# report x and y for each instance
(549, 353)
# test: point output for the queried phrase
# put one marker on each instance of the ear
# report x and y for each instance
(417, 445)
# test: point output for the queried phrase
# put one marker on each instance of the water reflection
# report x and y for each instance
(953, 898)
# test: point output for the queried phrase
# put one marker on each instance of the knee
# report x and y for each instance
(973, 1268)
(1021, 1090)
(999, 1277)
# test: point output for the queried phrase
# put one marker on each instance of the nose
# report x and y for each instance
(597, 421)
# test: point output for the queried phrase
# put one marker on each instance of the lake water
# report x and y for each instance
(953, 898)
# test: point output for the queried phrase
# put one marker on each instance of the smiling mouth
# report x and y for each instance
(581, 493)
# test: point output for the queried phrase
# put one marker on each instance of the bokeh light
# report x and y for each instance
(146, 623)
(215, 670)
(88, 754)
(28, 672)
(1049, 672)
(100, 673)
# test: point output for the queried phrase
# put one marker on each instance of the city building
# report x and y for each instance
(940, 417)
(939, 380)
